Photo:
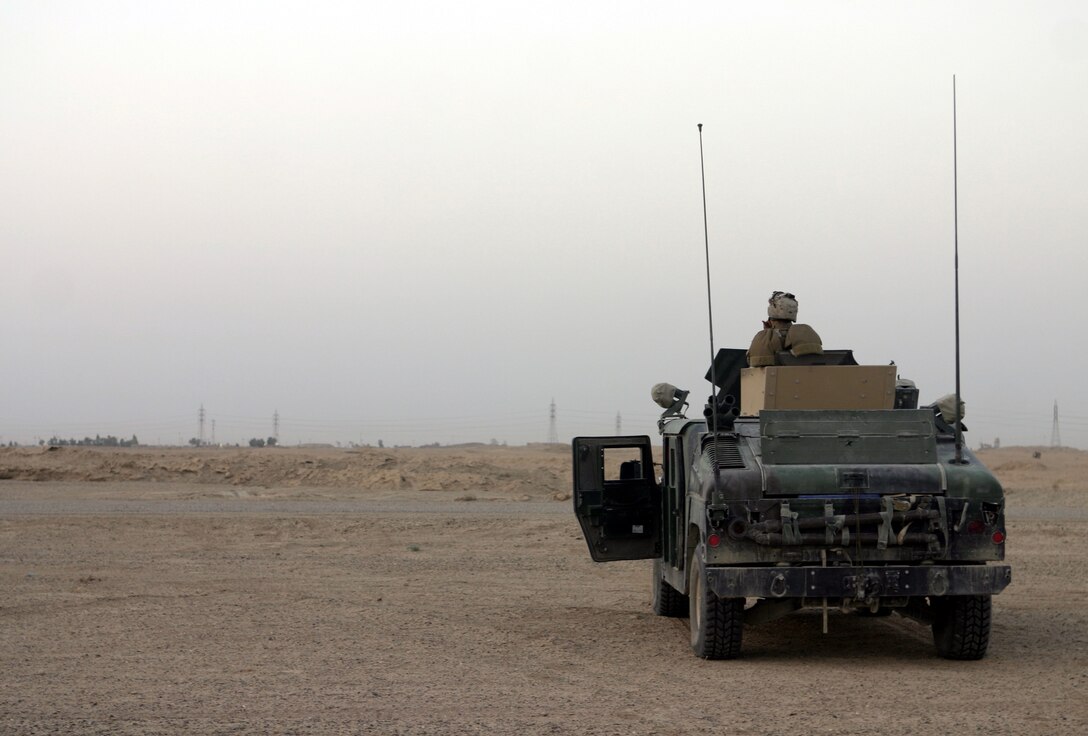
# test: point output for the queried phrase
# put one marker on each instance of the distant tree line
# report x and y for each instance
(97, 441)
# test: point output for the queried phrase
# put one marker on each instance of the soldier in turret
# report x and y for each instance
(782, 332)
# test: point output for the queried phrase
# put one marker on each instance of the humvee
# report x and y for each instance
(816, 482)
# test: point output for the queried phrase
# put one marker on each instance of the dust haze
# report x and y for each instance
(422, 223)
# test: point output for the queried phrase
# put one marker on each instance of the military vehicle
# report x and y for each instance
(815, 482)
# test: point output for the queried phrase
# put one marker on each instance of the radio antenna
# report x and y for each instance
(956, 227)
(710, 322)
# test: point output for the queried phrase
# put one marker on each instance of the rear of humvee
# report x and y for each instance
(816, 492)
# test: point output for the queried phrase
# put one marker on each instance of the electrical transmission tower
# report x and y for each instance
(200, 433)
(619, 423)
(553, 433)
(1055, 431)
(276, 425)
(213, 431)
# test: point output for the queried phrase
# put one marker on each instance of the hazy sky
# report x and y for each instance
(422, 221)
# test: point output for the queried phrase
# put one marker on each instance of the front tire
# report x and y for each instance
(961, 626)
(667, 600)
(716, 623)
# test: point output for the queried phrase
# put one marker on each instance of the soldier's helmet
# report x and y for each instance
(946, 405)
(782, 305)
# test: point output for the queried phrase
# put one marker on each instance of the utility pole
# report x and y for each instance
(200, 433)
(553, 434)
(1055, 431)
(619, 423)
(213, 431)
(276, 425)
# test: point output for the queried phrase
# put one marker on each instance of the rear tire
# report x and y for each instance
(961, 626)
(667, 600)
(716, 623)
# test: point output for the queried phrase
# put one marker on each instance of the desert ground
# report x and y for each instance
(449, 591)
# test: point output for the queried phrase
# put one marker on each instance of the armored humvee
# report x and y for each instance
(816, 482)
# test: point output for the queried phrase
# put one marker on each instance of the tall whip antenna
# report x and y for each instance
(710, 321)
(956, 225)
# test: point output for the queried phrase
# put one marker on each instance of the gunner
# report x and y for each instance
(782, 332)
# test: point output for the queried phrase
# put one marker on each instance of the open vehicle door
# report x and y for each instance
(616, 498)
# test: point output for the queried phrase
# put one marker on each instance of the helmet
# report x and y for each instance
(947, 406)
(782, 305)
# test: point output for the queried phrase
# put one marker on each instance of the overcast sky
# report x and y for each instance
(422, 221)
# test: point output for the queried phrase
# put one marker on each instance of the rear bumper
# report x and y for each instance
(863, 583)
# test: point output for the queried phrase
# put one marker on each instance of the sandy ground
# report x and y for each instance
(205, 608)
(473, 472)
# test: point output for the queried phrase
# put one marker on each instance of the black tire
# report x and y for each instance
(961, 626)
(716, 623)
(667, 600)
